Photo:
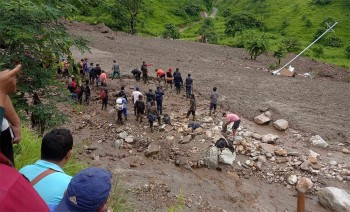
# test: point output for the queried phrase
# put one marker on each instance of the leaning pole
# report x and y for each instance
(278, 71)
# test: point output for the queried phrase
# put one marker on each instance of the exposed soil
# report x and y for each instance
(312, 106)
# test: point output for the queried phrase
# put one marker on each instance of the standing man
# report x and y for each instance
(230, 117)
(120, 109)
(140, 108)
(92, 73)
(213, 100)
(178, 81)
(122, 93)
(47, 175)
(192, 107)
(145, 71)
(103, 78)
(116, 70)
(104, 97)
(135, 96)
(169, 78)
(98, 72)
(159, 99)
(188, 84)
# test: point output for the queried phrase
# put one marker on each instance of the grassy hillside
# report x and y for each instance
(299, 20)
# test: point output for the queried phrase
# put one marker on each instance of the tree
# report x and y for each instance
(255, 44)
(171, 32)
(34, 34)
(279, 54)
(133, 9)
(240, 22)
(207, 31)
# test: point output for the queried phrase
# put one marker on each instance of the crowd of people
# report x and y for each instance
(43, 185)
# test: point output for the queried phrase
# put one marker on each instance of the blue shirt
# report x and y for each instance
(52, 187)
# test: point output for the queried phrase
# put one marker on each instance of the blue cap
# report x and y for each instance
(87, 191)
(137, 88)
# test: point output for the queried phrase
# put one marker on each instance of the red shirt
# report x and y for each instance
(160, 73)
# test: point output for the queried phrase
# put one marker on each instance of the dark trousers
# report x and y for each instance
(145, 78)
(104, 103)
(6, 146)
(160, 107)
(137, 77)
(178, 88)
(188, 91)
(120, 117)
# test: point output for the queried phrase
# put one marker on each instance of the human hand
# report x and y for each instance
(8, 80)
(17, 132)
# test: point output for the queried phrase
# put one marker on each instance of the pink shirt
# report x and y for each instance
(232, 117)
(104, 77)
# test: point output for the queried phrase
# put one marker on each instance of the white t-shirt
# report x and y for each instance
(5, 125)
(136, 95)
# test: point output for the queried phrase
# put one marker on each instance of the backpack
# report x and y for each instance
(78, 90)
(120, 105)
(122, 94)
(140, 105)
(103, 94)
(222, 143)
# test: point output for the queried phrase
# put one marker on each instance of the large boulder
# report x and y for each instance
(317, 141)
(152, 150)
(281, 124)
(227, 157)
(262, 119)
(211, 160)
(269, 138)
(123, 135)
(334, 199)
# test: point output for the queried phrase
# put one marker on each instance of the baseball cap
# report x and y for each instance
(137, 88)
(87, 191)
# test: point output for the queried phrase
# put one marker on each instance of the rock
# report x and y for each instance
(118, 143)
(227, 157)
(304, 184)
(198, 131)
(305, 166)
(208, 119)
(317, 141)
(262, 119)
(186, 139)
(268, 114)
(313, 154)
(112, 111)
(152, 150)
(281, 152)
(269, 138)
(247, 134)
(91, 147)
(123, 135)
(312, 160)
(238, 138)
(334, 199)
(211, 161)
(170, 138)
(262, 159)
(292, 179)
(345, 151)
(281, 124)
(234, 175)
(257, 136)
(346, 172)
(258, 165)
(129, 139)
(339, 178)
(268, 148)
(133, 161)
(333, 163)
(86, 117)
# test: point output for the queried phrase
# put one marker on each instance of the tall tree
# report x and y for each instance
(133, 9)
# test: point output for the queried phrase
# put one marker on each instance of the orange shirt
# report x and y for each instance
(160, 73)
(103, 77)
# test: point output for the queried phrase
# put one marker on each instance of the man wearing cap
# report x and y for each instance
(46, 175)
(87, 191)
(135, 96)
(115, 69)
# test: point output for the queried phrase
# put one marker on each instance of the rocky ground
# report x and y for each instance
(171, 164)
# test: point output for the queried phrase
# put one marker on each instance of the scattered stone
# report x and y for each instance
(333, 163)
(268, 114)
(262, 159)
(208, 119)
(257, 136)
(123, 135)
(170, 138)
(185, 139)
(112, 111)
(281, 124)
(238, 138)
(211, 161)
(133, 161)
(281, 152)
(346, 172)
(258, 165)
(247, 134)
(313, 154)
(198, 131)
(262, 119)
(317, 141)
(91, 147)
(227, 157)
(269, 138)
(305, 166)
(312, 160)
(234, 175)
(345, 151)
(338, 177)
(268, 148)
(293, 153)
(304, 184)
(129, 139)
(292, 179)
(334, 199)
(152, 150)
(118, 143)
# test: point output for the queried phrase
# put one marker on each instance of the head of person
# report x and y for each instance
(224, 114)
(143, 63)
(156, 69)
(57, 146)
(169, 69)
(114, 61)
(150, 90)
(137, 88)
(153, 103)
(214, 89)
(103, 71)
(97, 64)
(82, 60)
(86, 59)
(140, 97)
(158, 87)
(177, 70)
(87, 191)
(91, 64)
(189, 75)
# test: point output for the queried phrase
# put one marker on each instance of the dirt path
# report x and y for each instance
(203, 15)
(156, 183)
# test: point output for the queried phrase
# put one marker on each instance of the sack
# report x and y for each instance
(222, 143)
(166, 119)
(152, 117)
(140, 105)
(120, 105)
(103, 94)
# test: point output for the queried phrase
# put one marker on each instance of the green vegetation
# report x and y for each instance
(28, 151)
(179, 204)
(171, 32)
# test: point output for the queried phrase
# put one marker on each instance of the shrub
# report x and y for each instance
(321, 2)
(291, 45)
(192, 9)
(334, 41)
(318, 51)
(347, 52)
(284, 23)
(226, 13)
(255, 45)
(171, 32)
(280, 53)
(240, 22)
(179, 12)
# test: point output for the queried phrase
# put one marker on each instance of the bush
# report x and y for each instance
(330, 21)
(347, 52)
(226, 13)
(318, 33)
(291, 45)
(280, 53)
(192, 9)
(179, 12)
(318, 51)
(284, 23)
(255, 45)
(207, 30)
(171, 32)
(240, 22)
(334, 41)
(321, 2)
